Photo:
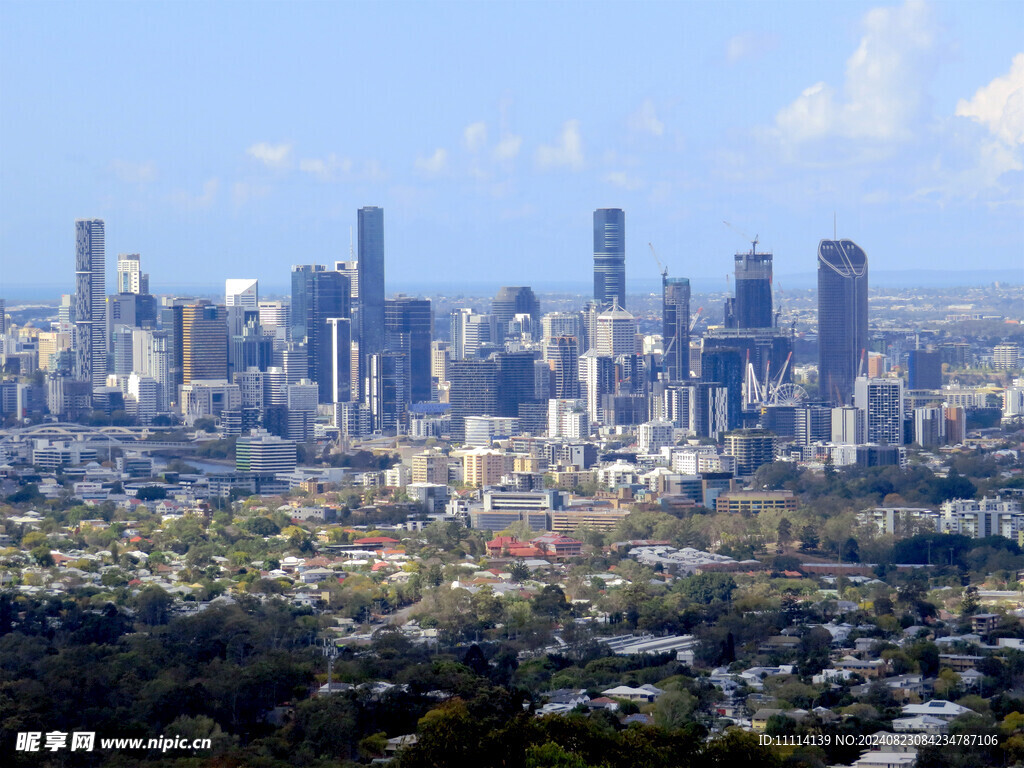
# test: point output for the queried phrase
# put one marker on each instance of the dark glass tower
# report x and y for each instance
(409, 326)
(371, 279)
(842, 317)
(753, 306)
(515, 300)
(675, 333)
(473, 391)
(317, 296)
(610, 257)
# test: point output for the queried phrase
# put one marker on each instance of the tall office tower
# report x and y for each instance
(336, 377)
(248, 347)
(724, 366)
(301, 304)
(370, 221)
(881, 402)
(610, 257)
(204, 336)
(597, 379)
(3, 317)
(1006, 357)
(516, 382)
(293, 360)
(171, 324)
(90, 302)
(470, 331)
(387, 390)
(473, 392)
(274, 315)
(242, 292)
(924, 369)
(409, 325)
(753, 305)
(511, 301)
(556, 324)
(675, 324)
(616, 333)
(130, 277)
(842, 317)
(66, 310)
(350, 269)
(316, 296)
(440, 358)
(137, 310)
(152, 358)
(122, 350)
(562, 354)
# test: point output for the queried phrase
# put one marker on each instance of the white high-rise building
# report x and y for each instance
(130, 277)
(144, 391)
(652, 436)
(90, 302)
(616, 333)
(881, 402)
(242, 292)
(568, 418)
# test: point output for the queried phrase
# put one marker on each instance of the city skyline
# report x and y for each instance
(498, 183)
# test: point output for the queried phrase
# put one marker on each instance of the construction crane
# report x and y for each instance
(693, 323)
(661, 267)
(753, 242)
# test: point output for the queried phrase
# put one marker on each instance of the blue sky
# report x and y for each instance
(235, 139)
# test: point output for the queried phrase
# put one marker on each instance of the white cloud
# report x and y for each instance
(884, 83)
(645, 120)
(242, 192)
(271, 155)
(1000, 104)
(433, 164)
(623, 180)
(328, 168)
(508, 148)
(134, 173)
(204, 199)
(749, 45)
(568, 153)
(475, 136)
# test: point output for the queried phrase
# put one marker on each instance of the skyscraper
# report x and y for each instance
(204, 336)
(515, 300)
(408, 326)
(562, 353)
(842, 317)
(675, 334)
(371, 279)
(130, 278)
(318, 295)
(753, 305)
(610, 257)
(242, 292)
(90, 302)
(473, 392)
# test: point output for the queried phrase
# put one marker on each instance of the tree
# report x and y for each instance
(784, 532)
(519, 571)
(851, 550)
(808, 538)
(42, 556)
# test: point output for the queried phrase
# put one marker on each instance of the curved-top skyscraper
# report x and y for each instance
(610, 257)
(842, 317)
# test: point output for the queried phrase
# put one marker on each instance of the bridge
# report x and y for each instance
(131, 438)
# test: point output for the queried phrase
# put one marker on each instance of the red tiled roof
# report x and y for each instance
(376, 540)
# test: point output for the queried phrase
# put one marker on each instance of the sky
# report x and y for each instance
(236, 139)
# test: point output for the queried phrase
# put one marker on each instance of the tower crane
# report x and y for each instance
(661, 267)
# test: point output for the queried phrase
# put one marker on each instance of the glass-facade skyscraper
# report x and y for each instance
(842, 317)
(90, 302)
(370, 221)
(610, 257)
(753, 305)
(675, 315)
